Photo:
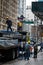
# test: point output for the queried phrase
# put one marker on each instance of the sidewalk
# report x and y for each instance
(32, 61)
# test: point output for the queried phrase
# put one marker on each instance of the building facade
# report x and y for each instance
(8, 8)
(22, 7)
(29, 16)
(29, 13)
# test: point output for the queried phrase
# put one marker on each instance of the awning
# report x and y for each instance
(37, 9)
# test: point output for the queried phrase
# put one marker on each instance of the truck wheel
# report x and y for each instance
(13, 54)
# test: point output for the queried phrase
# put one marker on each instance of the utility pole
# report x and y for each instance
(36, 41)
(41, 32)
(37, 29)
(34, 27)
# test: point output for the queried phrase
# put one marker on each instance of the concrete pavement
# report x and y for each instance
(32, 61)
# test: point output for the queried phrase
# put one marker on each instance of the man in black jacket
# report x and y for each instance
(9, 24)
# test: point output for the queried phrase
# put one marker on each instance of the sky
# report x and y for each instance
(28, 2)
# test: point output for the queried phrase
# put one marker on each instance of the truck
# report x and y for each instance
(9, 45)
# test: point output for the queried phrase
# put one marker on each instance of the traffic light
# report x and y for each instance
(21, 17)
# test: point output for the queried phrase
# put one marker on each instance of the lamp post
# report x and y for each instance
(35, 42)
(41, 31)
(37, 29)
(34, 28)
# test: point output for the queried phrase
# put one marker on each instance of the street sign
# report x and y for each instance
(41, 34)
(28, 22)
(24, 21)
(41, 30)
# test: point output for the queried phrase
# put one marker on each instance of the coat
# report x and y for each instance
(27, 49)
(9, 22)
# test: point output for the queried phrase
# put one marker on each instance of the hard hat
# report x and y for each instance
(29, 41)
(6, 17)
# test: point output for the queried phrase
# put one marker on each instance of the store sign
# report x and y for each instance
(41, 30)
(41, 34)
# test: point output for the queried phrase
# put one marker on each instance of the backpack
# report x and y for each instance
(26, 47)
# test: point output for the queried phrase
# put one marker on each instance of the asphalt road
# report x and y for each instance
(32, 61)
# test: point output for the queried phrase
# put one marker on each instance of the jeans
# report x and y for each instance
(27, 55)
(9, 27)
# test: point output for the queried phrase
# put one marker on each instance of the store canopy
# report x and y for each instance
(37, 9)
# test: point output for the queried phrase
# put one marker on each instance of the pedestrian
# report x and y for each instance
(9, 24)
(35, 50)
(27, 49)
(21, 50)
(41, 44)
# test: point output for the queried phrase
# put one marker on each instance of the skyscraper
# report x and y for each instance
(22, 7)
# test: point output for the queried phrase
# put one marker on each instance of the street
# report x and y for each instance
(21, 32)
(32, 61)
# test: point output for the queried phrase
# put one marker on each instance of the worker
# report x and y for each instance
(9, 24)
